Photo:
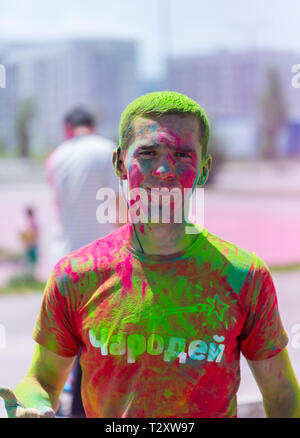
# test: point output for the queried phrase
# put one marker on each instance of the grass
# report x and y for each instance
(22, 284)
(9, 256)
(285, 268)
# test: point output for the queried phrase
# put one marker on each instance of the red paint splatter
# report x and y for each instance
(144, 289)
(124, 270)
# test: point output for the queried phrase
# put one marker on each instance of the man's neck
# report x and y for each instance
(161, 239)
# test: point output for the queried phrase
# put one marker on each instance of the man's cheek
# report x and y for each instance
(136, 176)
(187, 178)
(147, 166)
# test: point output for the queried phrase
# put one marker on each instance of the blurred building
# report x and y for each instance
(59, 75)
(292, 139)
(229, 85)
(238, 136)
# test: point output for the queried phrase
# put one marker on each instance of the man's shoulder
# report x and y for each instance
(236, 263)
(89, 145)
(97, 256)
(59, 153)
(96, 142)
(231, 251)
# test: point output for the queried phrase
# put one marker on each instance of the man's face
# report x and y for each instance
(164, 152)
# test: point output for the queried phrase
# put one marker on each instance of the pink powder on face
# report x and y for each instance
(138, 174)
(171, 131)
(170, 138)
(187, 177)
(135, 177)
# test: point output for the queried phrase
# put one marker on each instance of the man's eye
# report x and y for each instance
(148, 153)
(182, 154)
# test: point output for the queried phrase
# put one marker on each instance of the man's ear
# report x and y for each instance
(114, 162)
(206, 166)
(118, 162)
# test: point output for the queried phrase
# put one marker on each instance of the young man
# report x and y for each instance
(161, 315)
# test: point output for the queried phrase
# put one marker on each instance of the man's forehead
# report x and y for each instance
(170, 124)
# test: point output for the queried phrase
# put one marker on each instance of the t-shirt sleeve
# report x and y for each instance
(263, 335)
(55, 328)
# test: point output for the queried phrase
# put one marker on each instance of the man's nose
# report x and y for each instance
(165, 168)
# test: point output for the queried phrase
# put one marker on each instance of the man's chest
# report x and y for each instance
(164, 315)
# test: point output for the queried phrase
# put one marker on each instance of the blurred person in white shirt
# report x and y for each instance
(76, 170)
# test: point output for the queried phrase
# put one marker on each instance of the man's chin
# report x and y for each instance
(163, 215)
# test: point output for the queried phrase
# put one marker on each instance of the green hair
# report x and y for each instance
(159, 104)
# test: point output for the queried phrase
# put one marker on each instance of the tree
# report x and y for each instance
(25, 113)
(272, 115)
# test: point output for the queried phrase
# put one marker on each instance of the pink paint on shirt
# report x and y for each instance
(124, 270)
(144, 289)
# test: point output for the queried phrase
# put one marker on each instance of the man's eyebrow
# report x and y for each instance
(185, 148)
(148, 146)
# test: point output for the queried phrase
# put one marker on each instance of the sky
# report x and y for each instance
(160, 27)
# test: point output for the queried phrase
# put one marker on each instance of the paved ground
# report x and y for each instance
(17, 315)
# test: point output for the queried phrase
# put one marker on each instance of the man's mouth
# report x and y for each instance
(161, 190)
(157, 194)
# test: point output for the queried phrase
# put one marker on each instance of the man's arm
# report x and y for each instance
(41, 387)
(278, 385)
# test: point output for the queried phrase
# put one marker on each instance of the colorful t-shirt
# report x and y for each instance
(160, 335)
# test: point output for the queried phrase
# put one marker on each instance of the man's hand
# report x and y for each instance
(37, 395)
(15, 409)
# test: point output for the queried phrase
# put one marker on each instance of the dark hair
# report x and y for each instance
(80, 117)
(29, 211)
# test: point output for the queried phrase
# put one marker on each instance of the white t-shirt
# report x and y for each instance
(77, 169)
